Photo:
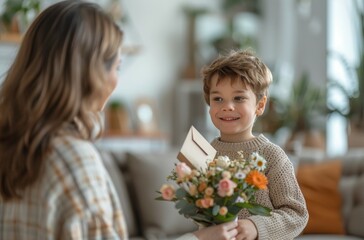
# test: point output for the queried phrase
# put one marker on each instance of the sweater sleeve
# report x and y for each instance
(89, 206)
(289, 214)
(187, 236)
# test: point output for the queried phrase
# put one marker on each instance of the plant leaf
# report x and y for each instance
(181, 193)
(234, 209)
(189, 209)
(181, 203)
(255, 209)
(222, 219)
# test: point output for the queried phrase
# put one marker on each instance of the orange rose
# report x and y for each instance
(202, 186)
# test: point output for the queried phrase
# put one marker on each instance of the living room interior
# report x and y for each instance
(315, 50)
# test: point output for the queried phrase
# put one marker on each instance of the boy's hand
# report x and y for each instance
(246, 230)
(225, 231)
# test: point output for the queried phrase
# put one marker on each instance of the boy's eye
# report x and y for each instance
(217, 99)
(239, 99)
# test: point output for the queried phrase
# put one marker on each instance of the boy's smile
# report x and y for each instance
(233, 109)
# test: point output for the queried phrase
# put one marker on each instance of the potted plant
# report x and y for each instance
(17, 14)
(117, 118)
(232, 38)
(303, 114)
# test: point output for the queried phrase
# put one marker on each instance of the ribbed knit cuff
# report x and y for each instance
(187, 236)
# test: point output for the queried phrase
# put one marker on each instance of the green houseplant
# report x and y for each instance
(303, 113)
(232, 38)
(17, 14)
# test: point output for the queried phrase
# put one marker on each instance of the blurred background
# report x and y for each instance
(313, 48)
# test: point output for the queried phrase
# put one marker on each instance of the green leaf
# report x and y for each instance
(189, 209)
(222, 219)
(181, 193)
(260, 210)
(234, 209)
(255, 209)
(181, 203)
(242, 205)
(162, 199)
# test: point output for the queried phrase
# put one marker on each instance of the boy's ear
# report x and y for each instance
(261, 106)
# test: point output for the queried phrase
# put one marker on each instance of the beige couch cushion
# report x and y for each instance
(353, 194)
(356, 218)
(122, 191)
(149, 172)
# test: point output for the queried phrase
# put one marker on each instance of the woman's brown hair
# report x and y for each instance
(52, 86)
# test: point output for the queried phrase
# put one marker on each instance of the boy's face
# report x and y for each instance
(233, 109)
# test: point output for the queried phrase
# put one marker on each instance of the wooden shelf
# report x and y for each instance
(133, 142)
(132, 135)
(16, 38)
(10, 38)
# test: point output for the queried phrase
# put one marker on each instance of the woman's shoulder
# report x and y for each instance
(73, 145)
(76, 161)
(74, 151)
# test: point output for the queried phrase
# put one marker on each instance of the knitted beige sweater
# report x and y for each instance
(289, 215)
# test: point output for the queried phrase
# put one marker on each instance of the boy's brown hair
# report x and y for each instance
(238, 65)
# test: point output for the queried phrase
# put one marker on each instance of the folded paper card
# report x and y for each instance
(196, 150)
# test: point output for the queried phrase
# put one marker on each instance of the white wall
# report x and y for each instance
(341, 40)
(159, 27)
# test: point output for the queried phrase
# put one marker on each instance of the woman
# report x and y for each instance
(53, 184)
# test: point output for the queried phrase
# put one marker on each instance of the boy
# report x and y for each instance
(236, 88)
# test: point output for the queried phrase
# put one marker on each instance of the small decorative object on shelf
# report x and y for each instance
(146, 117)
(117, 119)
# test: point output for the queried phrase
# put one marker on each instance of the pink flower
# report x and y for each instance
(168, 192)
(207, 202)
(183, 170)
(226, 187)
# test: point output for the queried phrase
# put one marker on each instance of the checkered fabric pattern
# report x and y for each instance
(73, 199)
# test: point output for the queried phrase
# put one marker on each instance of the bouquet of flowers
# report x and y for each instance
(217, 194)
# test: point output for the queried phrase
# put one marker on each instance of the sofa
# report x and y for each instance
(138, 175)
(334, 193)
(137, 178)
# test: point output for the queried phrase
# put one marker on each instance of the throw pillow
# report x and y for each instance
(319, 183)
(149, 172)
